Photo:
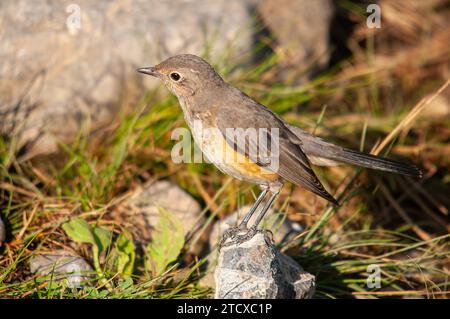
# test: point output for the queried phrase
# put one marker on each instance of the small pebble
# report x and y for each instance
(64, 265)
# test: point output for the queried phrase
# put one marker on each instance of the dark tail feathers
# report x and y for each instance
(375, 162)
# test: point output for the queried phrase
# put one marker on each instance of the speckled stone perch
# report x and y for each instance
(255, 269)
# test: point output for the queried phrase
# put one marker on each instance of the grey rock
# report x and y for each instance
(62, 265)
(2, 231)
(141, 212)
(56, 77)
(256, 270)
(301, 29)
(282, 229)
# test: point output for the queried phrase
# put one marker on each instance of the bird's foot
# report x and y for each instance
(231, 233)
(237, 236)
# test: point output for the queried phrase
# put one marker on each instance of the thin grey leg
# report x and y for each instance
(233, 231)
(264, 210)
(253, 209)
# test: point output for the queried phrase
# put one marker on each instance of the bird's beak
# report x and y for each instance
(150, 71)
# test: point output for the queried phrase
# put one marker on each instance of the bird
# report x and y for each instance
(250, 142)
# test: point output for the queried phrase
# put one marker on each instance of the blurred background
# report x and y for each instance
(84, 135)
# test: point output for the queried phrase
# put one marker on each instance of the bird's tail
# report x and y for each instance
(316, 147)
(375, 162)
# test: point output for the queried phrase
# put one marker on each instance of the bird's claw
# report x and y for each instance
(232, 236)
(231, 233)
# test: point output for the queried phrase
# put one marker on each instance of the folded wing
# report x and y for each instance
(293, 165)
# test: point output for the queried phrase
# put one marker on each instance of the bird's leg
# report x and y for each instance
(233, 231)
(265, 210)
(239, 239)
(252, 210)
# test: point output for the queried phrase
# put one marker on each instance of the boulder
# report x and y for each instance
(282, 229)
(301, 29)
(256, 270)
(141, 212)
(68, 64)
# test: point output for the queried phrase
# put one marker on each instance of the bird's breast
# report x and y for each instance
(217, 151)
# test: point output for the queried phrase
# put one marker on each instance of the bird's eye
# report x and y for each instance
(175, 76)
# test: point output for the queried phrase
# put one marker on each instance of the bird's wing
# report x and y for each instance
(322, 150)
(275, 140)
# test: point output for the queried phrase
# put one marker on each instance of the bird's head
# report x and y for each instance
(184, 75)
